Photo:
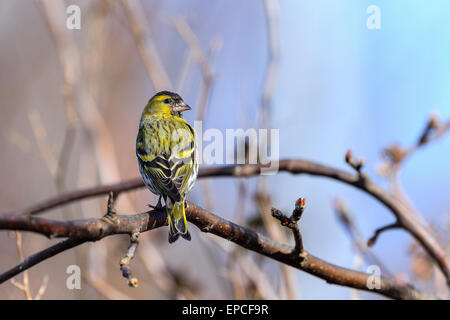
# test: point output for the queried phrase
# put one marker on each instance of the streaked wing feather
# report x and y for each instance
(169, 172)
(161, 177)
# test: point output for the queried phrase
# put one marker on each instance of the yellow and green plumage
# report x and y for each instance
(165, 149)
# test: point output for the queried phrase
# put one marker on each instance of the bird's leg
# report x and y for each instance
(158, 205)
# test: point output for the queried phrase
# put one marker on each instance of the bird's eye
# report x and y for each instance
(167, 101)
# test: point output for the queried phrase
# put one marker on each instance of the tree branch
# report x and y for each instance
(125, 262)
(295, 166)
(360, 244)
(292, 223)
(81, 231)
(41, 256)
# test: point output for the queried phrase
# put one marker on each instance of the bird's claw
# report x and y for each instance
(158, 206)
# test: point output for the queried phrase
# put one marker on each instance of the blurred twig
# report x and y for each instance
(356, 236)
(395, 156)
(69, 60)
(25, 285)
(204, 63)
(272, 11)
(70, 64)
(169, 284)
(42, 288)
(250, 268)
(147, 49)
(105, 289)
(40, 135)
(407, 218)
(202, 60)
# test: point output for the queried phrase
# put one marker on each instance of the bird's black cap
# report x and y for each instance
(174, 95)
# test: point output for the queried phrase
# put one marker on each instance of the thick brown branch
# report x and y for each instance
(295, 166)
(95, 229)
(87, 229)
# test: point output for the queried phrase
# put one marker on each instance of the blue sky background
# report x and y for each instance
(344, 86)
(363, 89)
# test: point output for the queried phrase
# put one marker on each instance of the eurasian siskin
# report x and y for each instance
(165, 149)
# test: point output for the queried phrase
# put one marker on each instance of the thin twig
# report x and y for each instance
(250, 268)
(356, 236)
(292, 222)
(378, 231)
(41, 256)
(204, 63)
(69, 60)
(42, 288)
(146, 48)
(202, 60)
(125, 261)
(25, 285)
(105, 289)
(357, 165)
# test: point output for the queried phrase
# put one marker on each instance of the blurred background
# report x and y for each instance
(70, 104)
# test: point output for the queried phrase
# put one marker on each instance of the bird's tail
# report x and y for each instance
(177, 221)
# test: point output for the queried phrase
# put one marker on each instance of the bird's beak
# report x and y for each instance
(180, 107)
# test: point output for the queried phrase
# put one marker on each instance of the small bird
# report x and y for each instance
(165, 150)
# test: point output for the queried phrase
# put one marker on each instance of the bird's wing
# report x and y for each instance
(167, 160)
